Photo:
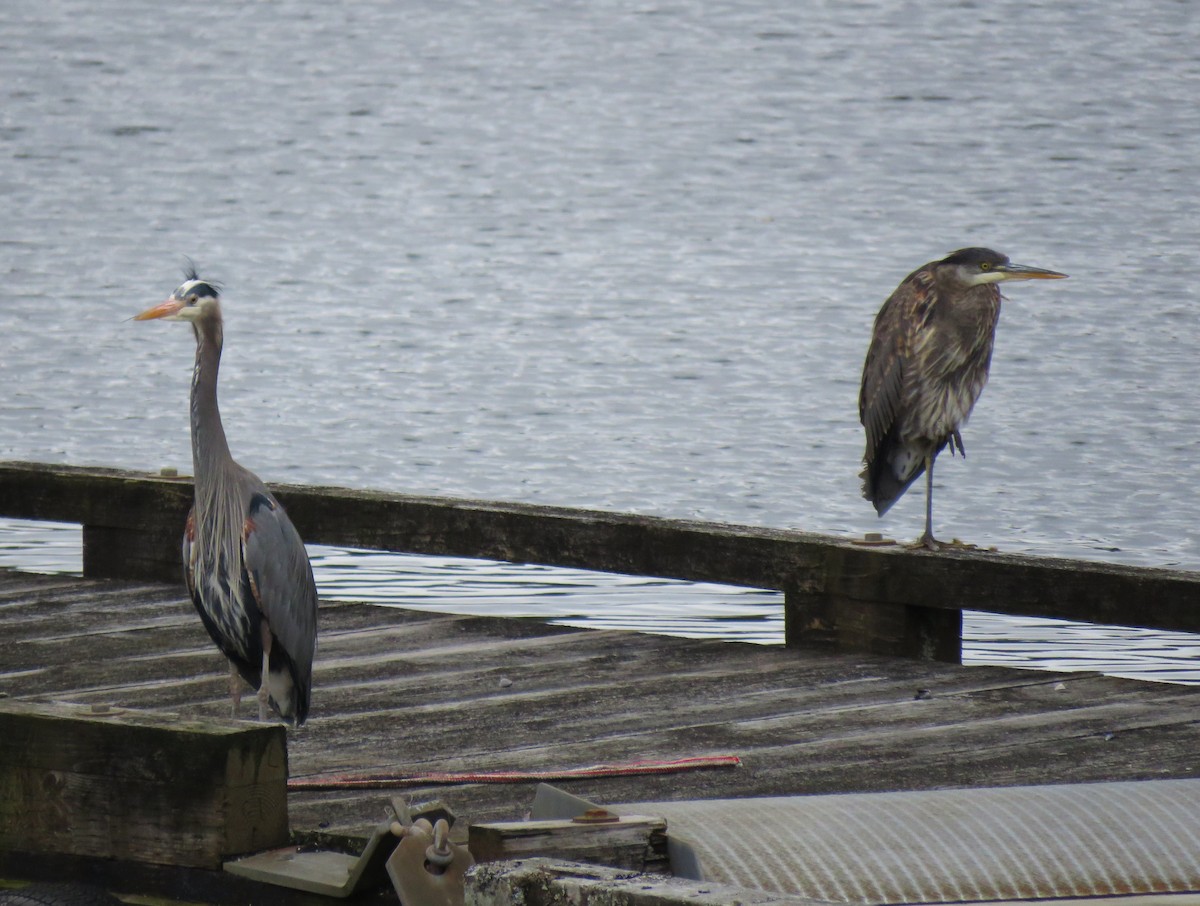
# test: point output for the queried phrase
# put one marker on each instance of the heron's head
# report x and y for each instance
(193, 301)
(972, 267)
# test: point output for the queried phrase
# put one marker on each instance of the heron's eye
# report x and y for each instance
(191, 299)
(985, 266)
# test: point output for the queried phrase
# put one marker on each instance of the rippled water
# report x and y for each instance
(622, 254)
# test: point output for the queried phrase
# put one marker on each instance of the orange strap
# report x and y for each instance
(384, 780)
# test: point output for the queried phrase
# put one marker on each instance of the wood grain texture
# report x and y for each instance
(638, 843)
(113, 783)
(404, 691)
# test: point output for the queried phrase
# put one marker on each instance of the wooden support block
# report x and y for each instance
(833, 622)
(138, 786)
(132, 522)
(149, 553)
(633, 842)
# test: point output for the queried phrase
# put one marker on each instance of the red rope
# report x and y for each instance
(384, 780)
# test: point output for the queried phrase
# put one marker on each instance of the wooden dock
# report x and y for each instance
(839, 594)
(866, 696)
(409, 692)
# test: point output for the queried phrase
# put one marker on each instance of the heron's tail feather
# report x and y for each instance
(890, 470)
(288, 690)
(883, 488)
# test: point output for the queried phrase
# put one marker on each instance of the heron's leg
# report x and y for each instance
(264, 691)
(235, 689)
(927, 539)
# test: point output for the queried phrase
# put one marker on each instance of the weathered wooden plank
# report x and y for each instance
(133, 523)
(913, 758)
(1011, 583)
(511, 733)
(405, 690)
(114, 783)
(420, 661)
(636, 842)
(840, 594)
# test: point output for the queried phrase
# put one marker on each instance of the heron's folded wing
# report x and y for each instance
(883, 377)
(281, 578)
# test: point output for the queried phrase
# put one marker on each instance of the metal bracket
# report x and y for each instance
(325, 872)
(426, 868)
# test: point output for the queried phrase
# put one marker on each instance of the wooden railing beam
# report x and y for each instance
(838, 594)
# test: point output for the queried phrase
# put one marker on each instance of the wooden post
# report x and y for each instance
(150, 552)
(136, 532)
(840, 611)
(834, 623)
(138, 786)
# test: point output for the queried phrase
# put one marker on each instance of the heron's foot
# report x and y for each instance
(928, 543)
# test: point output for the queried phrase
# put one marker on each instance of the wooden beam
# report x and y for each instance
(138, 786)
(840, 594)
(634, 842)
(554, 536)
(827, 620)
(132, 522)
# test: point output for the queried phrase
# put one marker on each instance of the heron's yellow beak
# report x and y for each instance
(1022, 272)
(167, 309)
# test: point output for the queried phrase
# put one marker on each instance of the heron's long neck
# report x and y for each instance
(210, 451)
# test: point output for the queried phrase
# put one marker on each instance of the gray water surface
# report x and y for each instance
(617, 254)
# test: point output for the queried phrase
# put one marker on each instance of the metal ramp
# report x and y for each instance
(1011, 843)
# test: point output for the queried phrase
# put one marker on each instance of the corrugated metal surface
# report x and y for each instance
(1073, 840)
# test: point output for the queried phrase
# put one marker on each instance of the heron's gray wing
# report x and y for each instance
(894, 359)
(883, 375)
(281, 578)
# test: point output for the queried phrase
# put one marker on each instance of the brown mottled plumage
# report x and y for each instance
(926, 366)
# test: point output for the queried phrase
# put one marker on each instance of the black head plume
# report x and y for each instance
(975, 256)
(198, 285)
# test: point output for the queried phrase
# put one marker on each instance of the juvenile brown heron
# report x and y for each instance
(926, 366)
(244, 563)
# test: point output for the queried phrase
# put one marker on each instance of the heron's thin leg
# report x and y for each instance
(235, 690)
(264, 692)
(927, 539)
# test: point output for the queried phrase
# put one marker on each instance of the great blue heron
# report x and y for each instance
(244, 563)
(926, 366)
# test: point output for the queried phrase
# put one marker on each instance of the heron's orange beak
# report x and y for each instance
(163, 310)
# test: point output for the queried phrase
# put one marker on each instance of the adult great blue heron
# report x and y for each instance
(245, 565)
(926, 366)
